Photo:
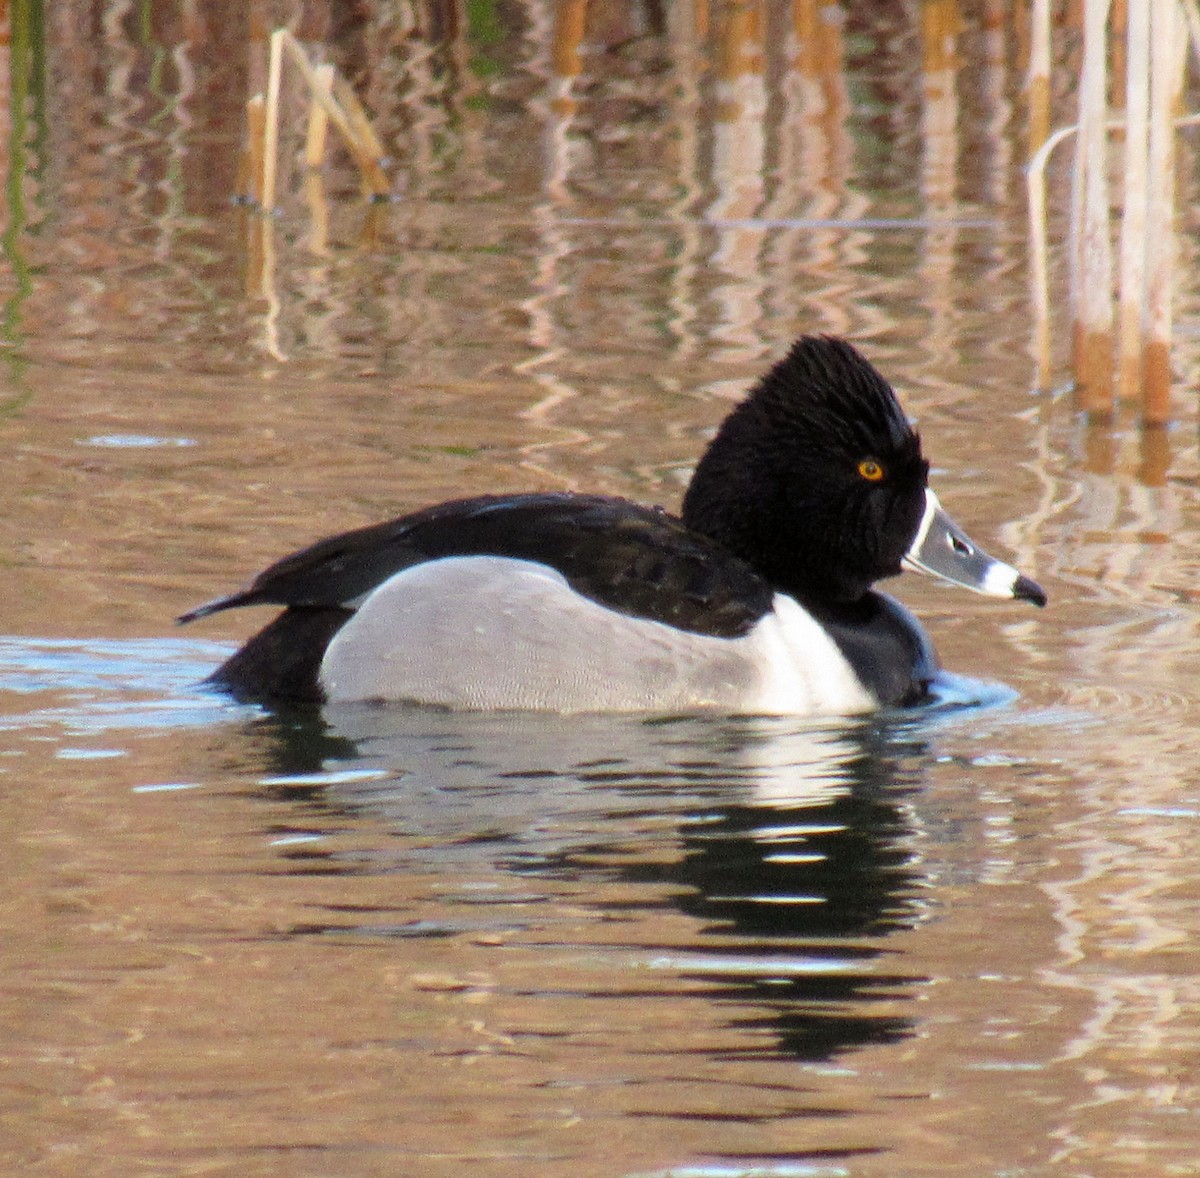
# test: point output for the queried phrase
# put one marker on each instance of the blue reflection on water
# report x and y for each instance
(98, 685)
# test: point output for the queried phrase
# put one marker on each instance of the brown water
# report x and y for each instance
(396, 942)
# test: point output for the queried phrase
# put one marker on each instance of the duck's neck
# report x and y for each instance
(802, 570)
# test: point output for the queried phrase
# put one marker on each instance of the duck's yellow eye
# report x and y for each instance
(870, 470)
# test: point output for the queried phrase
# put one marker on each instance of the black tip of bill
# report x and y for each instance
(1025, 589)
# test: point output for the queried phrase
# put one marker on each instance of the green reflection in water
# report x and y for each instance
(486, 30)
(27, 114)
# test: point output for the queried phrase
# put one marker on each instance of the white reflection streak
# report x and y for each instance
(761, 965)
(994, 90)
(266, 227)
(176, 139)
(804, 172)
(939, 174)
(683, 41)
(555, 109)
(739, 156)
(804, 766)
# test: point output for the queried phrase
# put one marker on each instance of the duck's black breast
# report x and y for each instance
(637, 560)
(886, 646)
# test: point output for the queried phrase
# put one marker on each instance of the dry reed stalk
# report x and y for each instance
(1118, 63)
(318, 119)
(1038, 84)
(1093, 332)
(570, 21)
(374, 179)
(250, 182)
(1035, 182)
(1166, 65)
(1038, 89)
(1133, 224)
(255, 140)
(359, 119)
(1075, 232)
(271, 139)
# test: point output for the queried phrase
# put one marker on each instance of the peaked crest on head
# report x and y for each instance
(825, 385)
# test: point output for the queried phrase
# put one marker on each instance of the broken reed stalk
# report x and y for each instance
(364, 146)
(336, 102)
(360, 124)
(318, 120)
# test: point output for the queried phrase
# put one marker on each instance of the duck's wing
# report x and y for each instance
(638, 560)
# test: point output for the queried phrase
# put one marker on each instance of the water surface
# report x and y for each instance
(388, 941)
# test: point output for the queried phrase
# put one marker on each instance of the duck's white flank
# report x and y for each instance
(488, 632)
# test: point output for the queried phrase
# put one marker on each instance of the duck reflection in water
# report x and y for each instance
(815, 883)
(790, 843)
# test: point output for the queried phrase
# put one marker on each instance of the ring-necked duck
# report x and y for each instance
(756, 598)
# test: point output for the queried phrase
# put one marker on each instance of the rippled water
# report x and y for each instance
(388, 941)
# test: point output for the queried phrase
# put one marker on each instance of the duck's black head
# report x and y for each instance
(817, 478)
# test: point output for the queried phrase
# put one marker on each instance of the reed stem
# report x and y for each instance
(1133, 224)
(318, 119)
(1093, 308)
(271, 135)
(1166, 62)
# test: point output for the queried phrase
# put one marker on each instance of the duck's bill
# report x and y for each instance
(944, 550)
